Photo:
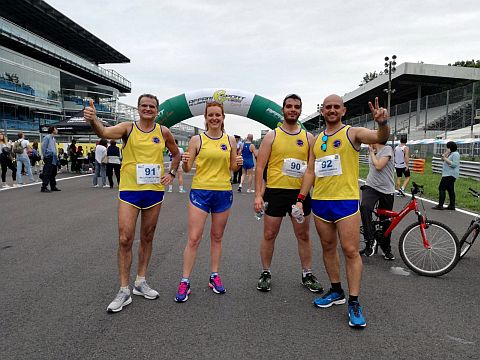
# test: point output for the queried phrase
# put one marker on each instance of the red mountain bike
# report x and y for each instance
(427, 247)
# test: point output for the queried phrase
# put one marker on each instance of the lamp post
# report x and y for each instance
(319, 118)
(390, 69)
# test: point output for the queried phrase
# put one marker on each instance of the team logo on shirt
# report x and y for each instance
(337, 143)
(223, 147)
(156, 140)
(299, 142)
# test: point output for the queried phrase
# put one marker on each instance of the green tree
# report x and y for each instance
(468, 63)
(368, 77)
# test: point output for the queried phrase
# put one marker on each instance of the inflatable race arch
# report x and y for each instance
(237, 102)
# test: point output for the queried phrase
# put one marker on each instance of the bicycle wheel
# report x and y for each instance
(468, 239)
(439, 259)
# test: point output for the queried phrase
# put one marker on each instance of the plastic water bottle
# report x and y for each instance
(297, 214)
(258, 215)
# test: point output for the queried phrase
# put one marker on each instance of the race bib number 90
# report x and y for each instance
(328, 166)
(294, 167)
(148, 173)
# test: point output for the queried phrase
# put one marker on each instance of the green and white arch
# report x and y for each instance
(237, 102)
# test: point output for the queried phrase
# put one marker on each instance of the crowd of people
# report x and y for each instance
(297, 161)
(291, 171)
(48, 159)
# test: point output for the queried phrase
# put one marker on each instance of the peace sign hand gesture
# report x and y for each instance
(380, 114)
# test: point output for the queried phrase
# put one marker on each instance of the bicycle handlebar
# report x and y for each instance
(417, 188)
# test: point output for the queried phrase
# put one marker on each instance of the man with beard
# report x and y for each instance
(286, 149)
(333, 165)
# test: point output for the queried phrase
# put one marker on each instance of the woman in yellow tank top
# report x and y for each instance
(216, 154)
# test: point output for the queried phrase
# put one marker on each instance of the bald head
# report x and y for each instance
(333, 109)
(333, 98)
(250, 137)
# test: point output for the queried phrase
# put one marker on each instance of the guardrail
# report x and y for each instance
(468, 169)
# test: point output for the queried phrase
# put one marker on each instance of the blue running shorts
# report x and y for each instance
(214, 201)
(247, 165)
(333, 211)
(143, 199)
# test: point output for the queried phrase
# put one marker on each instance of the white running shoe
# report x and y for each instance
(143, 289)
(122, 299)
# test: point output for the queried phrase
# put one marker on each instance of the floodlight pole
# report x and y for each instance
(319, 118)
(390, 68)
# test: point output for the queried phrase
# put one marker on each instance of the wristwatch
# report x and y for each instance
(173, 172)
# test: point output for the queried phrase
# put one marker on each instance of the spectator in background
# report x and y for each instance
(72, 153)
(379, 187)
(6, 160)
(91, 158)
(35, 157)
(237, 175)
(23, 160)
(50, 160)
(100, 163)
(114, 163)
(401, 159)
(79, 159)
(248, 152)
(62, 159)
(179, 172)
(450, 173)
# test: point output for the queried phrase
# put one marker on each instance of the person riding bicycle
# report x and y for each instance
(379, 187)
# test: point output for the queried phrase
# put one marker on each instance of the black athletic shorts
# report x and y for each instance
(402, 171)
(280, 202)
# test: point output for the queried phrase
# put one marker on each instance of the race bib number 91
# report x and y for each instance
(294, 167)
(148, 173)
(328, 166)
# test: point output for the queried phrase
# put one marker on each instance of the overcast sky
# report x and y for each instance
(272, 47)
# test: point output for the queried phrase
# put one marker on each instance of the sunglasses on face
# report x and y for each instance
(324, 145)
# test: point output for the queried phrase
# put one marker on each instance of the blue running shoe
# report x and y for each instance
(183, 292)
(355, 315)
(216, 285)
(329, 299)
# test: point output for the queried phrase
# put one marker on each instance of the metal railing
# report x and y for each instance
(10, 29)
(468, 169)
(434, 115)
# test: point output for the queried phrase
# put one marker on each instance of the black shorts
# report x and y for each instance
(280, 202)
(402, 171)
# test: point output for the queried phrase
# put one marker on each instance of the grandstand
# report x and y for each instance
(430, 101)
(49, 68)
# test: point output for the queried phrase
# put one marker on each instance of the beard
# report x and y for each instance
(290, 121)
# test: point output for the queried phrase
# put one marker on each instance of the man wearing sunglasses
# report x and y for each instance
(286, 149)
(333, 168)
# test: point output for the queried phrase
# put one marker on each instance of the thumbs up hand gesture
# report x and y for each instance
(89, 113)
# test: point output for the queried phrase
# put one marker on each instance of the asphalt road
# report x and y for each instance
(58, 266)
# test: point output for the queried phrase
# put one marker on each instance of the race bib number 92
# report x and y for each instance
(328, 166)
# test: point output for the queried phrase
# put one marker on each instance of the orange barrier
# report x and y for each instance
(418, 165)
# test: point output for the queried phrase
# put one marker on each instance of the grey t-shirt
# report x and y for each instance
(382, 180)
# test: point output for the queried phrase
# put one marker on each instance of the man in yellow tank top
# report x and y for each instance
(286, 151)
(333, 165)
(142, 187)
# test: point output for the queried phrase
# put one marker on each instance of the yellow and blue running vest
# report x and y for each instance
(141, 148)
(286, 146)
(337, 187)
(213, 164)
